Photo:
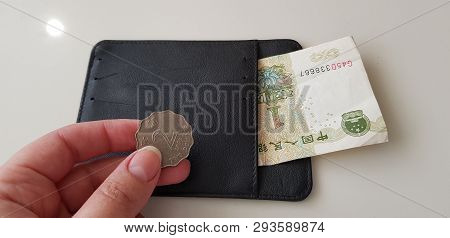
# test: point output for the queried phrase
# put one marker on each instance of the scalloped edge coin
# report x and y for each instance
(169, 132)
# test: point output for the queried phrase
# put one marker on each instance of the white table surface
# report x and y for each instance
(405, 46)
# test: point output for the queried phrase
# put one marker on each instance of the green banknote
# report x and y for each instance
(316, 101)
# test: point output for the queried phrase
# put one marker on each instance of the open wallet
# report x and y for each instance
(131, 79)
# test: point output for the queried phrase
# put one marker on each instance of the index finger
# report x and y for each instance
(54, 154)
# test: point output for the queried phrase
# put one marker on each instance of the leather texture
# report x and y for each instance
(212, 83)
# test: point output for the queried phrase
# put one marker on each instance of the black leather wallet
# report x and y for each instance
(130, 79)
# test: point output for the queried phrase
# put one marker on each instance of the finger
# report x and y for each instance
(126, 191)
(54, 154)
(174, 175)
(83, 180)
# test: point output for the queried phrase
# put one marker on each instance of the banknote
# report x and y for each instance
(316, 101)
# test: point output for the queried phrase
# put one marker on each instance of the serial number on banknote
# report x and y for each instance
(326, 68)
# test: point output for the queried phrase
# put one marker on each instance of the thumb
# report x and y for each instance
(126, 191)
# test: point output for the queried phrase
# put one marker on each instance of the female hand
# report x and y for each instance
(45, 179)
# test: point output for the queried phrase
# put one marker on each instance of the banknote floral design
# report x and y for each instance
(275, 85)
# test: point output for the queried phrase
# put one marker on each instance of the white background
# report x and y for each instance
(405, 46)
(332, 227)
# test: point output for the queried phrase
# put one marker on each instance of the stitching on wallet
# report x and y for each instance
(86, 83)
(255, 111)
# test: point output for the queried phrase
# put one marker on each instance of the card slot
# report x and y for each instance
(292, 180)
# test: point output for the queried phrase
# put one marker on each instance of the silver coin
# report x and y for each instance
(169, 132)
